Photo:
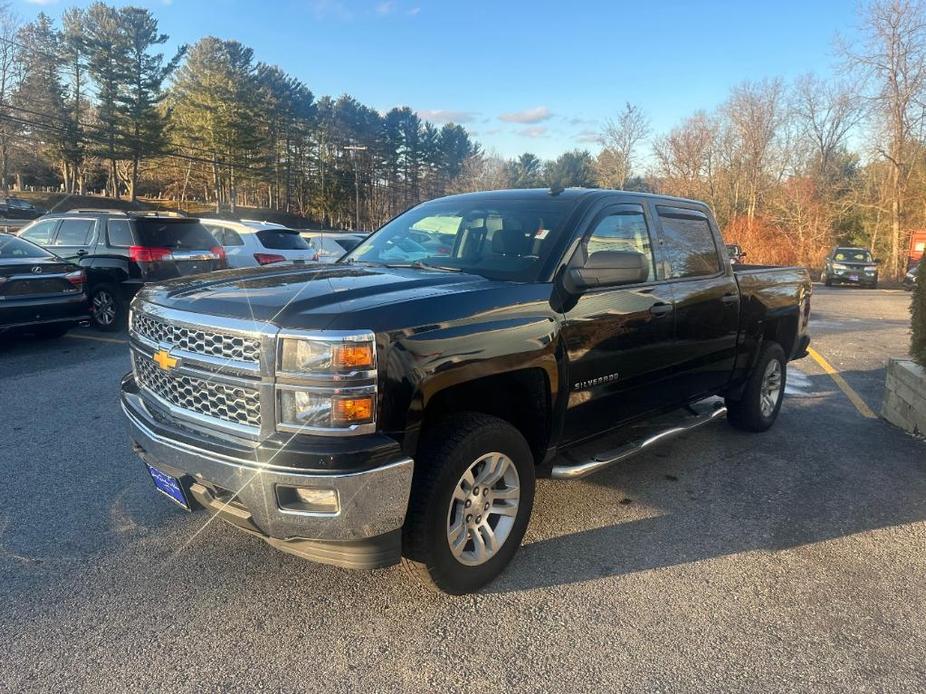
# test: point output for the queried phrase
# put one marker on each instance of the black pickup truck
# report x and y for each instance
(399, 404)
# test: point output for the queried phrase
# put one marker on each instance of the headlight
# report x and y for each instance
(326, 383)
(303, 409)
(339, 354)
(840, 266)
(869, 270)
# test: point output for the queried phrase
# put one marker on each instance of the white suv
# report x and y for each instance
(250, 244)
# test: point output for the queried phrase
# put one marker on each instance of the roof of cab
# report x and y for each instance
(567, 193)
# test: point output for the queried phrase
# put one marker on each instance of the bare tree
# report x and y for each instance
(755, 115)
(826, 114)
(620, 138)
(9, 29)
(891, 59)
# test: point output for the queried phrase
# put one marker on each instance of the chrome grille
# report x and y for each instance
(226, 402)
(213, 344)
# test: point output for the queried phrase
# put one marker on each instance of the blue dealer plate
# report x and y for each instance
(169, 486)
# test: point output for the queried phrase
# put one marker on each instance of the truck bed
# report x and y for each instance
(770, 293)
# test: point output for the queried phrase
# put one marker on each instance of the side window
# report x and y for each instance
(75, 232)
(625, 231)
(120, 233)
(231, 238)
(40, 233)
(688, 246)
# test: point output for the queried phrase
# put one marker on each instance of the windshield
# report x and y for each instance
(14, 247)
(282, 240)
(852, 255)
(508, 239)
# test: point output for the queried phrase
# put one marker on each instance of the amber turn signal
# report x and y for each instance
(353, 355)
(352, 410)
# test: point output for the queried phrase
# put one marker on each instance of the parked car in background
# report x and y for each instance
(553, 337)
(39, 292)
(17, 208)
(850, 266)
(250, 243)
(328, 246)
(736, 253)
(910, 279)
(120, 251)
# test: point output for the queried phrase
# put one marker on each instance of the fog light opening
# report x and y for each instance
(309, 500)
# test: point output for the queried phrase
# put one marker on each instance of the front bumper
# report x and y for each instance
(365, 532)
(853, 277)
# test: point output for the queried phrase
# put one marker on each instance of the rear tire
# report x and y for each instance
(459, 535)
(761, 400)
(107, 308)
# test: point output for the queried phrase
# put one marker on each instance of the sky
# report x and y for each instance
(535, 76)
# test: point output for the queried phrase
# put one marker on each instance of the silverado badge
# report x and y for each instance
(163, 359)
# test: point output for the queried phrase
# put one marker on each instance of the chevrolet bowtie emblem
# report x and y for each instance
(163, 359)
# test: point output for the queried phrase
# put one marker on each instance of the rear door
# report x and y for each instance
(618, 339)
(175, 248)
(75, 238)
(706, 301)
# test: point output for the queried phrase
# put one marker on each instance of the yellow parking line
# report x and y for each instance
(854, 398)
(97, 338)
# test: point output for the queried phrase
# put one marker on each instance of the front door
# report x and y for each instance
(75, 239)
(617, 338)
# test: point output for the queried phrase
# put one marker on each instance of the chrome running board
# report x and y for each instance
(628, 450)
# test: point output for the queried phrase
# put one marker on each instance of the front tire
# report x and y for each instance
(107, 308)
(761, 400)
(471, 501)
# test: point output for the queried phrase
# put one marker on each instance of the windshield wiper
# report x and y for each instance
(421, 265)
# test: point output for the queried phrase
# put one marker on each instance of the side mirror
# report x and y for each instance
(877, 261)
(743, 254)
(608, 269)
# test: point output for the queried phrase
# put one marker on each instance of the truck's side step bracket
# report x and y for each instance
(607, 458)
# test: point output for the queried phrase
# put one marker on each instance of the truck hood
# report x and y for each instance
(306, 297)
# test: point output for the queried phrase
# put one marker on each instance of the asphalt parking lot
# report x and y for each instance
(791, 560)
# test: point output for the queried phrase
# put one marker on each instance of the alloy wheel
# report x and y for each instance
(483, 509)
(770, 392)
(104, 307)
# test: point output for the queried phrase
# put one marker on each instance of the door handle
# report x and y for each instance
(660, 309)
(730, 298)
(81, 252)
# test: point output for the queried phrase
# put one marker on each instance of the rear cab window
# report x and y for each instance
(282, 240)
(180, 234)
(688, 245)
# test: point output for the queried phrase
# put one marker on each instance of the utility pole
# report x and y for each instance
(353, 157)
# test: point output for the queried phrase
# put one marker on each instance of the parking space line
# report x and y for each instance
(854, 398)
(97, 338)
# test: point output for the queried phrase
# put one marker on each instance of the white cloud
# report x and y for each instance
(531, 115)
(386, 7)
(445, 116)
(589, 136)
(42, 2)
(413, 12)
(327, 9)
(534, 132)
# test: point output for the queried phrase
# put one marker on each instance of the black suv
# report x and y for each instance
(120, 251)
(850, 266)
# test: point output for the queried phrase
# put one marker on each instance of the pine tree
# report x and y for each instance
(107, 64)
(74, 59)
(140, 93)
(39, 100)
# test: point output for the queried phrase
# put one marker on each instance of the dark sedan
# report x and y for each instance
(909, 280)
(39, 292)
(850, 266)
(17, 208)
